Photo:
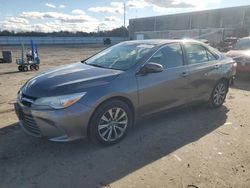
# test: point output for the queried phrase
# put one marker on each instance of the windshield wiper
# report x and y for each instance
(95, 65)
(100, 66)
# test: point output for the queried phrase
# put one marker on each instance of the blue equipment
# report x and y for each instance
(31, 61)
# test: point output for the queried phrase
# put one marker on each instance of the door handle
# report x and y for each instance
(184, 74)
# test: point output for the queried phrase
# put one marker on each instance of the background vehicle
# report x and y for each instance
(241, 54)
(106, 41)
(103, 95)
(227, 44)
(31, 61)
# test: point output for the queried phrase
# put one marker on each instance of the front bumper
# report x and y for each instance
(56, 125)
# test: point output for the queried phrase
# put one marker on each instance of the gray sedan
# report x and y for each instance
(102, 96)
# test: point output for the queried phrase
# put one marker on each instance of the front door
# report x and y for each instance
(166, 89)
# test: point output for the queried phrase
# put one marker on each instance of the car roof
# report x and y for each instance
(159, 42)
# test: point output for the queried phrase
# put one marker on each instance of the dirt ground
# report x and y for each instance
(192, 147)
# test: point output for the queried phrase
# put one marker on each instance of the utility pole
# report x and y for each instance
(98, 30)
(124, 21)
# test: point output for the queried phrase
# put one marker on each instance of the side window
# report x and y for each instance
(196, 53)
(169, 56)
(211, 56)
(158, 57)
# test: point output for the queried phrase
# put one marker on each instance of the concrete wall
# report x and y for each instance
(231, 21)
(56, 40)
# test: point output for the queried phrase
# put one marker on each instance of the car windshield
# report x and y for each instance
(243, 44)
(121, 56)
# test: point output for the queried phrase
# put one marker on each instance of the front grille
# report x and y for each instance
(27, 100)
(30, 125)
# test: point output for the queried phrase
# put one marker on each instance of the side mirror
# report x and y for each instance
(151, 68)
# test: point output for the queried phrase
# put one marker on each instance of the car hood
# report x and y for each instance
(238, 53)
(68, 79)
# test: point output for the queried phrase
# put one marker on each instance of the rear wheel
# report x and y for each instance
(219, 94)
(110, 122)
(36, 67)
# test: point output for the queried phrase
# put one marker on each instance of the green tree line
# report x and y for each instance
(118, 32)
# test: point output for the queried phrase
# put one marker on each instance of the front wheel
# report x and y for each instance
(219, 94)
(110, 122)
(20, 68)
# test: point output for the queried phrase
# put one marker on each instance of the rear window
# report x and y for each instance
(196, 53)
(243, 44)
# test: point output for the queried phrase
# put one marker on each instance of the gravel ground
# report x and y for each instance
(191, 147)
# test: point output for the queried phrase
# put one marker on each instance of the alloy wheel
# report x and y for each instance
(113, 124)
(219, 94)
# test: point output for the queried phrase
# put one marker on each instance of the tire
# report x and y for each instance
(107, 130)
(20, 68)
(25, 69)
(232, 81)
(36, 67)
(219, 94)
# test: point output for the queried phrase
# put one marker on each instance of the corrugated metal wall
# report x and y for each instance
(57, 40)
(236, 19)
(212, 35)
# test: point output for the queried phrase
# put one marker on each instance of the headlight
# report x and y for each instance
(59, 102)
(19, 96)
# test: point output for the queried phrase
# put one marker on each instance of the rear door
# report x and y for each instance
(166, 89)
(203, 67)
